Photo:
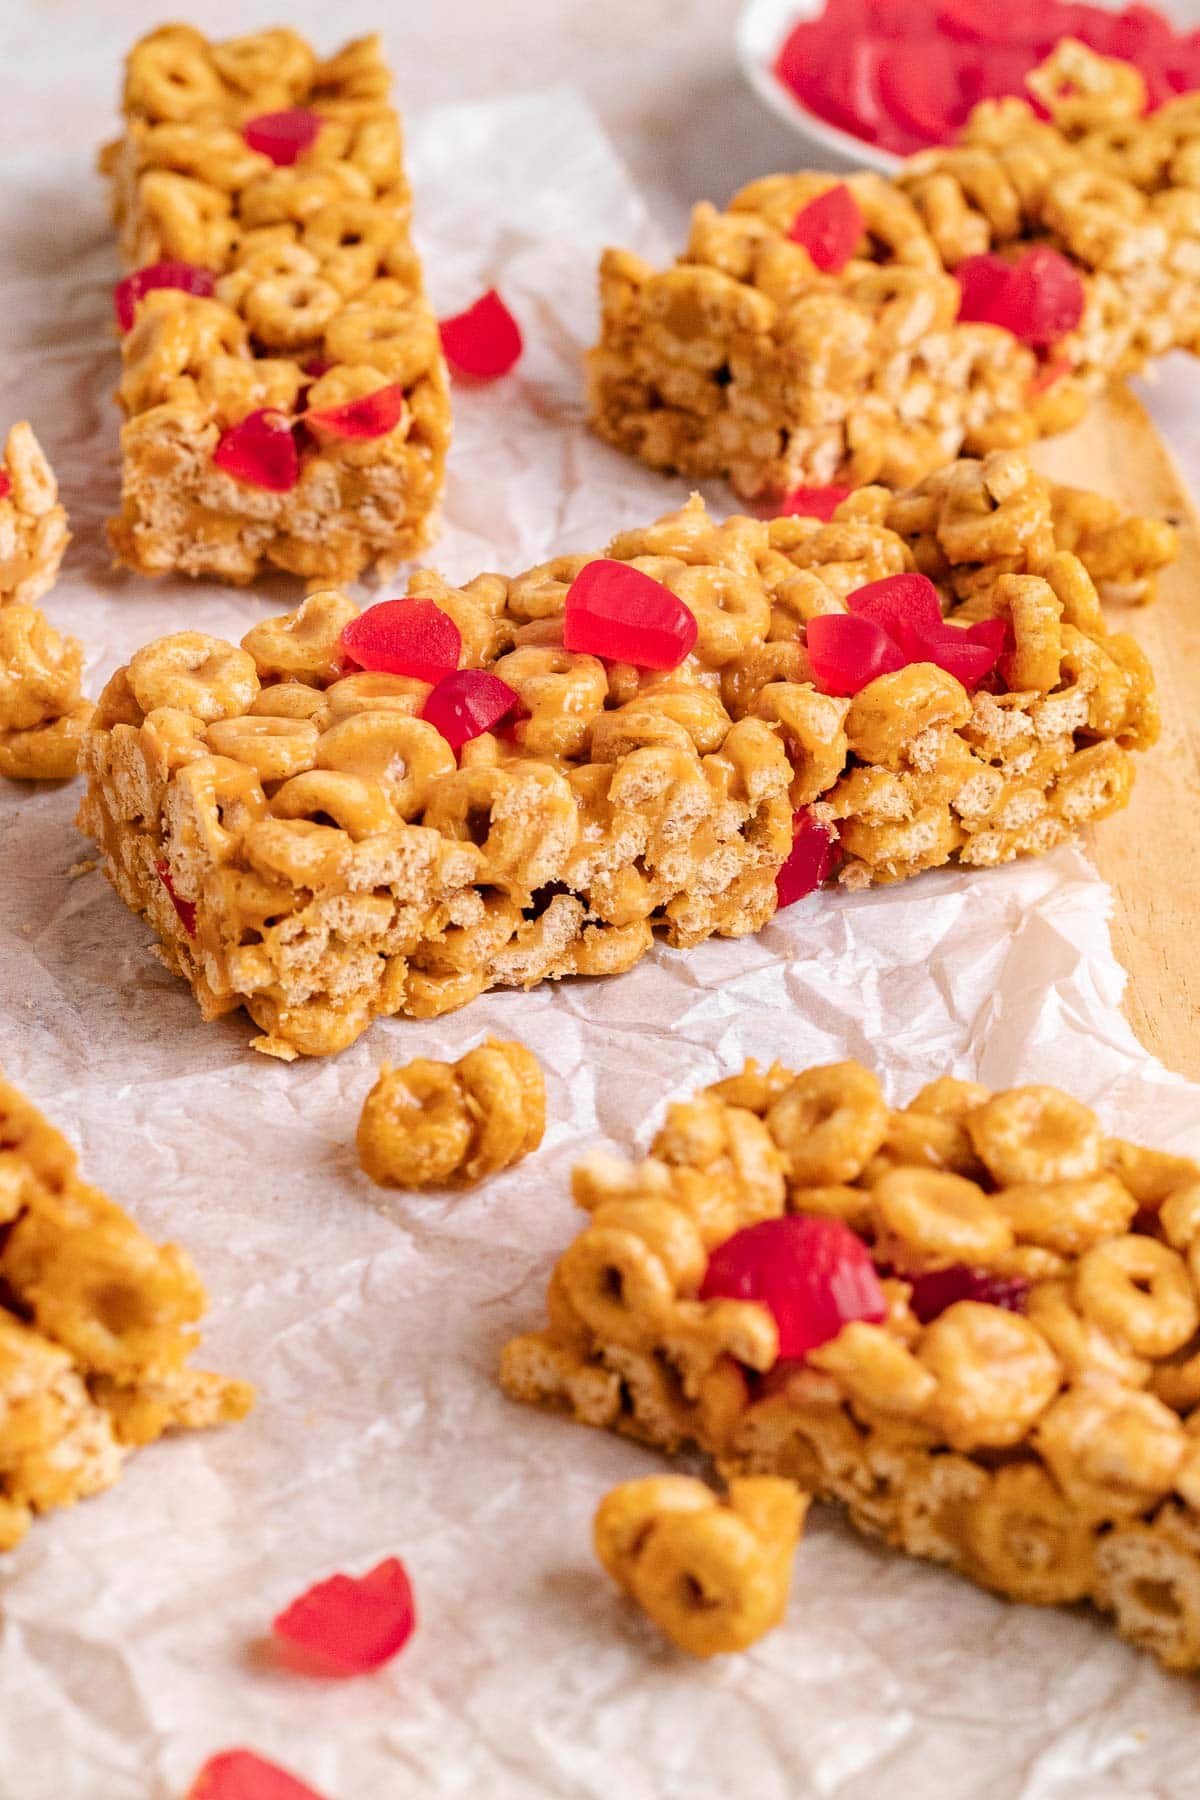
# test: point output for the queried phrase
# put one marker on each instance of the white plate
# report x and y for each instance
(761, 28)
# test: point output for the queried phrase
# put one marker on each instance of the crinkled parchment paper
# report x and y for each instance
(131, 1629)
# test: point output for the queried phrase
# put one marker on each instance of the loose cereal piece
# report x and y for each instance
(33, 525)
(1022, 1407)
(96, 1327)
(713, 1575)
(254, 162)
(309, 844)
(432, 1123)
(753, 360)
(43, 714)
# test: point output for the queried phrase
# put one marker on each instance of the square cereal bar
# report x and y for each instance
(973, 1321)
(96, 1326)
(749, 360)
(301, 294)
(306, 846)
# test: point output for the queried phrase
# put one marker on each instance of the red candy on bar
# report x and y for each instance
(810, 862)
(813, 502)
(936, 1289)
(812, 1274)
(241, 1775)
(370, 416)
(352, 1624)
(283, 136)
(1039, 298)
(186, 909)
(617, 612)
(467, 703)
(404, 637)
(484, 341)
(847, 651)
(907, 608)
(182, 275)
(261, 451)
(5, 484)
(830, 228)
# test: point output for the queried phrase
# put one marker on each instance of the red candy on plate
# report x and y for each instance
(937, 1289)
(484, 341)
(830, 228)
(812, 502)
(5, 484)
(186, 909)
(616, 612)
(261, 451)
(404, 637)
(283, 136)
(467, 703)
(810, 862)
(352, 1624)
(813, 1275)
(370, 416)
(185, 276)
(241, 1775)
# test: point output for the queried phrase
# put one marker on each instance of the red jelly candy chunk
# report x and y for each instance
(186, 909)
(241, 1775)
(352, 1623)
(830, 228)
(812, 1274)
(813, 502)
(1043, 298)
(468, 702)
(185, 276)
(919, 85)
(404, 637)
(981, 280)
(615, 611)
(934, 1291)
(5, 484)
(261, 451)
(846, 651)
(968, 653)
(370, 416)
(903, 604)
(283, 136)
(316, 366)
(485, 341)
(811, 862)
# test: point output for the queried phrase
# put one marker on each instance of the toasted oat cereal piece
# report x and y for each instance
(1000, 1348)
(33, 525)
(433, 1123)
(43, 714)
(713, 1575)
(96, 1326)
(310, 845)
(294, 291)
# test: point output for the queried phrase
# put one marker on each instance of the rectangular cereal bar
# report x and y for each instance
(304, 844)
(262, 204)
(96, 1326)
(750, 360)
(972, 1321)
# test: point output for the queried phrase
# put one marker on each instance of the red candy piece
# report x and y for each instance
(283, 136)
(241, 1775)
(186, 909)
(5, 484)
(981, 280)
(468, 702)
(1039, 299)
(404, 637)
(920, 85)
(182, 275)
(830, 228)
(352, 1623)
(812, 1274)
(261, 451)
(615, 611)
(934, 1291)
(485, 341)
(370, 416)
(316, 366)
(811, 861)
(905, 605)
(813, 502)
(846, 652)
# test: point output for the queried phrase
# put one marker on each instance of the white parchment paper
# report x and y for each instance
(131, 1629)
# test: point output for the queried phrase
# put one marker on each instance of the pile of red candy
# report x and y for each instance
(904, 74)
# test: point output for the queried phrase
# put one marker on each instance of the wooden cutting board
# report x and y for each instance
(1150, 854)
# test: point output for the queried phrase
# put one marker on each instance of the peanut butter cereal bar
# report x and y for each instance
(96, 1325)
(768, 356)
(33, 526)
(973, 1320)
(300, 835)
(285, 395)
(432, 1123)
(43, 713)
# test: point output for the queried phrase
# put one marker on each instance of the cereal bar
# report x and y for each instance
(972, 1320)
(285, 397)
(96, 1325)
(764, 357)
(300, 835)
(33, 525)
